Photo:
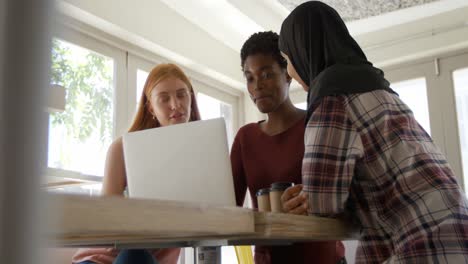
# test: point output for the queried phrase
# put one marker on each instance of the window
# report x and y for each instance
(302, 105)
(141, 76)
(137, 72)
(213, 108)
(298, 97)
(414, 94)
(80, 135)
(460, 78)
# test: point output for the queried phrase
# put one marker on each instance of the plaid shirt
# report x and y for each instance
(367, 157)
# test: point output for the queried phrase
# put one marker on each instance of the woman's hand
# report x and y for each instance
(294, 201)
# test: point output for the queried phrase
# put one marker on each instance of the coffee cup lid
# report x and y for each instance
(281, 186)
(263, 191)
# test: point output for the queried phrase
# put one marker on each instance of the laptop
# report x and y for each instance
(184, 162)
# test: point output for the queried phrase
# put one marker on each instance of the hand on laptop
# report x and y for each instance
(294, 201)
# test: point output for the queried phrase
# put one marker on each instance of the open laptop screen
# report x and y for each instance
(185, 162)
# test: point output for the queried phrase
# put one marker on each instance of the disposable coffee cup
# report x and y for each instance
(276, 190)
(263, 200)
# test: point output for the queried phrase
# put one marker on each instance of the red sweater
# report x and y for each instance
(259, 160)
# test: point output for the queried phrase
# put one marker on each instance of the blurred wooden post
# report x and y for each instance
(24, 56)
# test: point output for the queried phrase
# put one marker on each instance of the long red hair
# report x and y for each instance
(143, 118)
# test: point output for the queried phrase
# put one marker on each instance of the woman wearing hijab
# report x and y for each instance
(366, 157)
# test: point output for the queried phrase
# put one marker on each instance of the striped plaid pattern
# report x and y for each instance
(367, 157)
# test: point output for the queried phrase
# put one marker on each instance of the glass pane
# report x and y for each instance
(80, 135)
(302, 105)
(141, 79)
(460, 79)
(414, 94)
(213, 108)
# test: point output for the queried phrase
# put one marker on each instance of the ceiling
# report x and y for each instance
(233, 21)
(351, 10)
(207, 35)
(374, 23)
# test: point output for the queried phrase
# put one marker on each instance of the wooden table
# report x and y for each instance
(134, 223)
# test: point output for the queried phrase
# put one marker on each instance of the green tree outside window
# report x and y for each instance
(88, 80)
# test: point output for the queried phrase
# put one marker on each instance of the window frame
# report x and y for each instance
(62, 33)
(135, 62)
(438, 71)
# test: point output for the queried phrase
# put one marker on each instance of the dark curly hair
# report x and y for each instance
(266, 43)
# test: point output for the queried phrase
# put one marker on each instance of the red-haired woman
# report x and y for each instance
(167, 99)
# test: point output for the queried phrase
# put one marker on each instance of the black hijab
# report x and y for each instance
(324, 54)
